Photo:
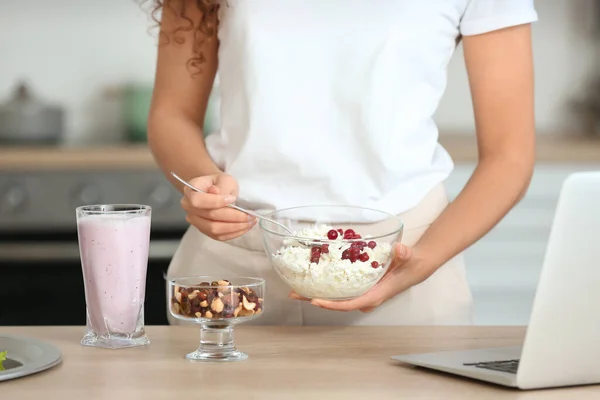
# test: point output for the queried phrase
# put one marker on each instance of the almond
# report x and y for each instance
(178, 296)
(194, 294)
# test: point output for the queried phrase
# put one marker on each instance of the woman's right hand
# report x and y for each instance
(209, 212)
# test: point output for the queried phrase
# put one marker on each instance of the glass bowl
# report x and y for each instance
(335, 253)
(217, 305)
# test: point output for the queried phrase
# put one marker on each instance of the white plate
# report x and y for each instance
(26, 356)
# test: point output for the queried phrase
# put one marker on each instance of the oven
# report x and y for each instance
(41, 280)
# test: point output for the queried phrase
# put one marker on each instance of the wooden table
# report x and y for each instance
(285, 363)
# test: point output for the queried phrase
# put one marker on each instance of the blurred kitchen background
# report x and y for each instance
(75, 84)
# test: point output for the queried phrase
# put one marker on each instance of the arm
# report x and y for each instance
(500, 69)
(180, 99)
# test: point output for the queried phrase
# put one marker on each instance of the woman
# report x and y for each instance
(332, 102)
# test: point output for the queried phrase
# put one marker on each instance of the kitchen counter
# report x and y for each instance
(463, 149)
(284, 363)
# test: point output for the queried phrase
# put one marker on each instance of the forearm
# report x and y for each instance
(495, 187)
(177, 144)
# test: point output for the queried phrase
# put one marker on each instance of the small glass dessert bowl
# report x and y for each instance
(217, 305)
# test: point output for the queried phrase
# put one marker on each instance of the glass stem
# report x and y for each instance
(216, 338)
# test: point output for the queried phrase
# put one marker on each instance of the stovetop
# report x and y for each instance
(46, 200)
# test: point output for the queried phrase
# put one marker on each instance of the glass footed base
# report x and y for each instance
(218, 356)
(216, 344)
(115, 340)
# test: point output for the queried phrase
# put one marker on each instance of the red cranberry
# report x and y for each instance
(357, 236)
(364, 257)
(374, 264)
(341, 232)
(325, 248)
(353, 258)
(354, 252)
(372, 244)
(345, 255)
(332, 234)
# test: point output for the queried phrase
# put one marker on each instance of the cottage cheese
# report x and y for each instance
(332, 277)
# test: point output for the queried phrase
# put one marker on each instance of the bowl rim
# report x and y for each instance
(257, 281)
(394, 232)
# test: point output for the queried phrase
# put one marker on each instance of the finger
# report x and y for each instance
(213, 190)
(296, 296)
(207, 200)
(226, 184)
(225, 214)
(231, 236)
(214, 229)
(369, 299)
(402, 253)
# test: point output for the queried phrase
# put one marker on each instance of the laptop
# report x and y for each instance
(562, 343)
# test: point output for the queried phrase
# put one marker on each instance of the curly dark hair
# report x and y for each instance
(204, 30)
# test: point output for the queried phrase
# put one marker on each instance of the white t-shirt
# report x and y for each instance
(332, 101)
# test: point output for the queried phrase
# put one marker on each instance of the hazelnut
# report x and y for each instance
(208, 314)
(194, 294)
(224, 283)
(214, 283)
(202, 294)
(258, 311)
(231, 300)
(198, 315)
(204, 303)
(176, 308)
(217, 305)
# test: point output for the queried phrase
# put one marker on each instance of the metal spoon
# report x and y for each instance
(234, 206)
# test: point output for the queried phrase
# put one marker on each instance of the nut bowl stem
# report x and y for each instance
(216, 344)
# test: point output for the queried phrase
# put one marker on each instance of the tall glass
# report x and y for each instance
(113, 244)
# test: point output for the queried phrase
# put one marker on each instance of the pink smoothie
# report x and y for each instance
(114, 258)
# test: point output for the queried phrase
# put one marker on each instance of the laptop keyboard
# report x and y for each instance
(509, 366)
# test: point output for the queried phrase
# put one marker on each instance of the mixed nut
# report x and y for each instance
(218, 299)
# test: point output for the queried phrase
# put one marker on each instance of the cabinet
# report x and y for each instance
(504, 266)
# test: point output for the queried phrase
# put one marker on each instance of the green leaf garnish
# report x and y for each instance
(2, 358)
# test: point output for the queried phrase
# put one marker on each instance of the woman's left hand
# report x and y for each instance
(405, 271)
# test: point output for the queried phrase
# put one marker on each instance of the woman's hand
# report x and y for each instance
(209, 212)
(406, 270)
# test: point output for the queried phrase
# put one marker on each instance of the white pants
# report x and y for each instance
(443, 299)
